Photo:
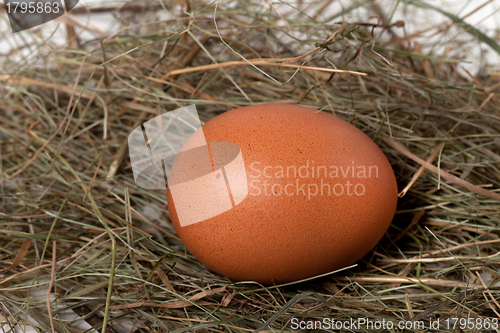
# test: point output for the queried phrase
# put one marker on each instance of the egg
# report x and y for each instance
(316, 195)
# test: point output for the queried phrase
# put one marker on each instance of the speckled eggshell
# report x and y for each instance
(282, 238)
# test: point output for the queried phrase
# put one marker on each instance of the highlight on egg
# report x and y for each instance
(277, 193)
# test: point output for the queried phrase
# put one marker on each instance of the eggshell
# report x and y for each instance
(277, 237)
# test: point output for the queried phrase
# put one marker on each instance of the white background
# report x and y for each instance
(486, 19)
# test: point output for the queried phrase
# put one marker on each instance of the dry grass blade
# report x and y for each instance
(177, 304)
(260, 62)
(20, 255)
(489, 293)
(51, 284)
(423, 281)
(420, 171)
(446, 175)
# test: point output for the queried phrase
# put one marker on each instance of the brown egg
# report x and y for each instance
(321, 195)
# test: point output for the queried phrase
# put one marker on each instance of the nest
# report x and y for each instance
(73, 222)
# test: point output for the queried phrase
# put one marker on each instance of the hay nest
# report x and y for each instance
(72, 220)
